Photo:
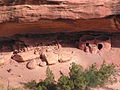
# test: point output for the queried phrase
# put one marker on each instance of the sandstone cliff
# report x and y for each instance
(25, 57)
(73, 15)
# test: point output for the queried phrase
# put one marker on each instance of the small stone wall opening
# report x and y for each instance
(100, 46)
(87, 44)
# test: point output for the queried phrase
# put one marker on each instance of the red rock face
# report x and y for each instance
(60, 18)
(57, 52)
(95, 44)
(77, 10)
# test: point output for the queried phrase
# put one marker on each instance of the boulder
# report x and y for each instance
(24, 56)
(42, 63)
(50, 57)
(64, 56)
(31, 64)
(18, 58)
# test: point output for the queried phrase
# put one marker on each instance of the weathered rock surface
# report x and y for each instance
(64, 56)
(2, 60)
(42, 64)
(68, 47)
(24, 56)
(50, 57)
(60, 18)
(17, 58)
(79, 9)
(4, 57)
(31, 65)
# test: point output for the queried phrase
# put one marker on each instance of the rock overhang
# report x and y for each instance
(54, 26)
(69, 17)
(13, 21)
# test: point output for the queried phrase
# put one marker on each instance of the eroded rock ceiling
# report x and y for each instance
(79, 15)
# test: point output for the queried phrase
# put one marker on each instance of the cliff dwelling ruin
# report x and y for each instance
(35, 34)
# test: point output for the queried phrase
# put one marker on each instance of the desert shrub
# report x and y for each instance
(64, 83)
(48, 83)
(78, 79)
(31, 85)
(91, 77)
(104, 73)
(77, 75)
(19, 88)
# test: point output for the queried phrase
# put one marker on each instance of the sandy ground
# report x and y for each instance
(16, 74)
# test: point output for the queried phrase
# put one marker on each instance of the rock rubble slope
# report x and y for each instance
(24, 58)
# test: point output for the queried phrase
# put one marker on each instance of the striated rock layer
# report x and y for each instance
(78, 15)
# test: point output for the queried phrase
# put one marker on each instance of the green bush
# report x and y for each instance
(64, 83)
(31, 85)
(48, 83)
(78, 79)
(91, 77)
